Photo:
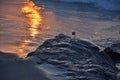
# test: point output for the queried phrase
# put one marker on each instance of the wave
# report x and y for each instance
(106, 4)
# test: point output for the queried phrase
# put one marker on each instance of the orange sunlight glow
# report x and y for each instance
(34, 19)
(32, 12)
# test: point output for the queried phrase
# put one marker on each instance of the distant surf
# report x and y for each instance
(113, 5)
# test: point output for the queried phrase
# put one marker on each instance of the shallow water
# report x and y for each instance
(18, 36)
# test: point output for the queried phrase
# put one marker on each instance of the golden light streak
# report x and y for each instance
(32, 12)
(34, 19)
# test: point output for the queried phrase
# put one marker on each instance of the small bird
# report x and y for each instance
(74, 34)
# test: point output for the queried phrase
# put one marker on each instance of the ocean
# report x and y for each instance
(90, 19)
(105, 4)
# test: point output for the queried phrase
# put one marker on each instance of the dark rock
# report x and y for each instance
(30, 54)
(113, 51)
(104, 43)
(82, 58)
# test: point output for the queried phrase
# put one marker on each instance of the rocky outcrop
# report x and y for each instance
(113, 51)
(75, 59)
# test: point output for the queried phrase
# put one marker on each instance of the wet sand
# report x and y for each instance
(20, 70)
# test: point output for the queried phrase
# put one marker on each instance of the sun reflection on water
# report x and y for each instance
(22, 32)
(34, 20)
(32, 12)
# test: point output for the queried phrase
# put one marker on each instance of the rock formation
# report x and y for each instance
(75, 59)
(114, 51)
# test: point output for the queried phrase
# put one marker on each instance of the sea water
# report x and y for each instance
(90, 19)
